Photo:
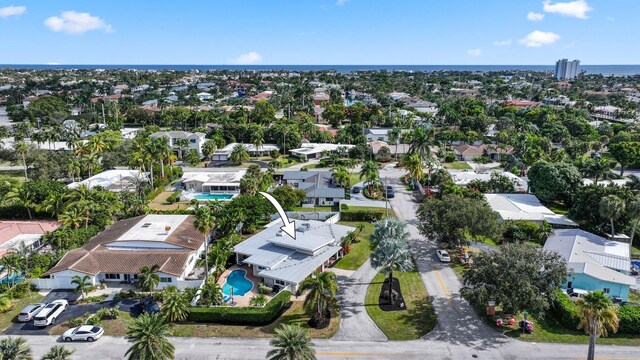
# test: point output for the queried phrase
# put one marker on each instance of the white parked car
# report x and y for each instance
(50, 312)
(443, 255)
(85, 333)
(576, 294)
(29, 312)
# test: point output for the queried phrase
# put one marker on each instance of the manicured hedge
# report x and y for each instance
(362, 215)
(565, 311)
(629, 317)
(241, 315)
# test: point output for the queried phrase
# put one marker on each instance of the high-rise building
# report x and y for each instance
(566, 69)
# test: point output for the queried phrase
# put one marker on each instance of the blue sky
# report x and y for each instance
(303, 32)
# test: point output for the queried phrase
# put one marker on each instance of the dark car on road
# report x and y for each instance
(390, 192)
(356, 189)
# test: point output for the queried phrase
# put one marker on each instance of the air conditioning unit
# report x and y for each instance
(279, 233)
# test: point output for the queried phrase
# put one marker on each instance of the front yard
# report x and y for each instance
(9, 317)
(458, 165)
(417, 320)
(360, 251)
(160, 202)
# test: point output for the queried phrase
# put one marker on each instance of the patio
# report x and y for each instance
(246, 298)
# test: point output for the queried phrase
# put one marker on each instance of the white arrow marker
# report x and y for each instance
(289, 226)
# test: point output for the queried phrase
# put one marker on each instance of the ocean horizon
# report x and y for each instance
(607, 70)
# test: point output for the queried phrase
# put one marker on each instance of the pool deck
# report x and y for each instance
(243, 300)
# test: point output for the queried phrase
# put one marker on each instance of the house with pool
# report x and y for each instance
(596, 263)
(211, 184)
(282, 262)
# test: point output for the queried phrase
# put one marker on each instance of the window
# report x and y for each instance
(193, 141)
(280, 282)
(260, 268)
(606, 290)
(112, 276)
(328, 199)
(165, 279)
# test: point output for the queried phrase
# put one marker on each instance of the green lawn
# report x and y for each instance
(457, 166)
(414, 322)
(635, 250)
(359, 251)
(355, 178)
(7, 318)
(558, 208)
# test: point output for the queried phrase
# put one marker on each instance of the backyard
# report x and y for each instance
(458, 165)
(417, 320)
(360, 250)
(160, 202)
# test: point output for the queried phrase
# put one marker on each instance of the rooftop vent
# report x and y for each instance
(304, 227)
(279, 233)
(146, 225)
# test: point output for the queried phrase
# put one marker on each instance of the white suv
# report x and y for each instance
(50, 312)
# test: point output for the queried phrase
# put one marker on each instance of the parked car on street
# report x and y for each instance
(576, 294)
(50, 312)
(443, 255)
(29, 312)
(356, 189)
(84, 333)
(390, 192)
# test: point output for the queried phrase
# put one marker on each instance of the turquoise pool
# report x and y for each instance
(237, 280)
(222, 197)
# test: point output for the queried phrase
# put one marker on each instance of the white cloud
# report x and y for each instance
(249, 58)
(72, 22)
(474, 52)
(577, 8)
(539, 38)
(12, 11)
(503, 42)
(534, 16)
(341, 2)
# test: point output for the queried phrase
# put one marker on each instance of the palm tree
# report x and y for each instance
(391, 250)
(21, 196)
(23, 149)
(58, 352)
(208, 148)
(211, 293)
(415, 167)
(394, 137)
(15, 348)
(419, 142)
(148, 279)
(73, 168)
(205, 222)
(322, 289)
(219, 256)
(291, 342)
(239, 154)
(53, 204)
(148, 337)
(175, 306)
(633, 212)
(5, 305)
(83, 284)
(181, 144)
(611, 207)
(597, 317)
(341, 176)
(369, 172)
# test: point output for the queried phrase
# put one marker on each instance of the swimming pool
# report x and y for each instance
(237, 280)
(222, 197)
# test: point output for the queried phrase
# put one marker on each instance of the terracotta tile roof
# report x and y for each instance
(469, 149)
(11, 229)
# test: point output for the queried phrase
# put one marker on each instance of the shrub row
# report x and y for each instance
(629, 317)
(241, 315)
(565, 311)
(362, 215)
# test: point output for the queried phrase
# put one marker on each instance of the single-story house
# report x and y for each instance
(28, 232)
(264, 150)
(526, 207)
(394, 149)
(113, 180)
(463, 178)
(596, 263)
(227, 181)
(282, 261)
(316, 150)
(318, 185)
(469, 152)
(194, 140)
(117, 253)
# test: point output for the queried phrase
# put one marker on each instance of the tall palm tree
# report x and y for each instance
(53, 204)
(341, 176)
(239, 154)
(322, 289)
(597, 317)
(420, 140)
(175, 306)
(181, 144)
(391, 252)
(148, 337)
(394, 137)
(82, 283)
(208, 148)
(73, 168)
(414, 165)
(633, 212)
(15, 348)
(611, 207)
(22, 148)
(369, 172)
(291, 342)
(205, 222)
(219, 256)
(21, 196)
(164, 151)
(71, 217)
(148, 278)
(58, 352)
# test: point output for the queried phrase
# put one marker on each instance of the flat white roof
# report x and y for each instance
(111, 179)
(214, 177)
(152, 228)
(524, 207)
(315, 148)
(249, 147)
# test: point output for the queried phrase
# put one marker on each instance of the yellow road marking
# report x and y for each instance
(444, 287)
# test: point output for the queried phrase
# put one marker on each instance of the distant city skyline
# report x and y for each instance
(319, 32)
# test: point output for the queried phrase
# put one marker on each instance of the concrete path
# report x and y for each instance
(355, 323)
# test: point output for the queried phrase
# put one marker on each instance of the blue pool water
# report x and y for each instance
(223, 197)
(238, 281)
